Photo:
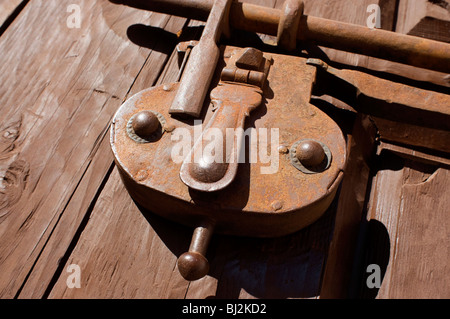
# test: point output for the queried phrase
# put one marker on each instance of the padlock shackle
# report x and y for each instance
(415, 51)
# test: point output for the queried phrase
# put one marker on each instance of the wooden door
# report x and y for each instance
(66, 66)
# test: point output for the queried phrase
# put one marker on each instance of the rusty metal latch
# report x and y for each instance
(234, 172)
(252, 156)
(238, 93)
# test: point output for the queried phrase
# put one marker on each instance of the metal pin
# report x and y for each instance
(183, 64)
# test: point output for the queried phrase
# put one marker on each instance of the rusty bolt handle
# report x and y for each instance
(193, 264)
(378, 43)
(202, 63)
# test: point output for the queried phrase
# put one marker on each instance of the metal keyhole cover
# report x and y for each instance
(255, 204)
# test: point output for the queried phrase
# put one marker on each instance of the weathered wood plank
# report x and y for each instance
(7, 10)
(337, 277)
(109, 268)
(64, 84)
(409, 231)
(425, 18)
(420, 266)
(125, 253)
(71, 222)
(103, 160)
(407, 228)
(357, 13)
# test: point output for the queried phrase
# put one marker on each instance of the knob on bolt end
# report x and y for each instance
(193, 265)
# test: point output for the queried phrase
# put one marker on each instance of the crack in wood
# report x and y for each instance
(13, 185)
(8, 136)
(441, 3)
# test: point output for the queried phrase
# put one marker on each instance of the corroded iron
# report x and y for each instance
(145, 123)
(193, 264)
(403, 114)
(310, 153)
(238, 94)
(291, 13)
(310, 156)
(216, 192)
(146, 126)
(258, 201)
(199, 70)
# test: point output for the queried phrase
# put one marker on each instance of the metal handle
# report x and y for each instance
(213, 162)
(193, 264)
(201, 65)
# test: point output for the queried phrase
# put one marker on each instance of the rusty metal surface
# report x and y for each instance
(383, 44)
(254, 204)
(411, 50)
(236, 96)
(402, 113)
(201, 64)
(310, 156)
(214, 191)
(292, 11)
(193, 264)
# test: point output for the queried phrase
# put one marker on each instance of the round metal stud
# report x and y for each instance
(310, 156)
(310, 153)
(145, 123)
(146, 126)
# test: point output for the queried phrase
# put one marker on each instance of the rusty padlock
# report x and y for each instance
(215, 174)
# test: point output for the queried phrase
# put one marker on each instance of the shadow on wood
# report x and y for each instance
(146, 35)
(375, 259)
(284, 267)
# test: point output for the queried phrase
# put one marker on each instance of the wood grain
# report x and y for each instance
(7, 9)
(337, 277)
(238, 270)
(407, 230)
(409, 203)
(421, 247)
(62, 201)
(124, 253)
(64, 86)
(112, 270)
(425, 18)
(103, 160)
